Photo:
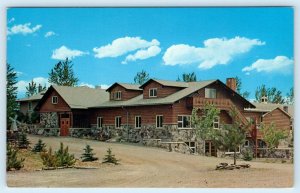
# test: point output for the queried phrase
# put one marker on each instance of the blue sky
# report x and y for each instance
(110, 45)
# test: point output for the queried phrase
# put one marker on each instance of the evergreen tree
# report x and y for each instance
(273, 95)
(62, 74)
(63, 157)
(231, 137)
(12, 161)
(239, 88)
(141, 77)
(88, 154)
(41, 88)
(31, 89)
(48, 158)
(39, 146)
(11, 93)
(23, 142)
(290, 96)
(188, 77)
(110, 158)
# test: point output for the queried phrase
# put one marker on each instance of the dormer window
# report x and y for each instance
(153, 92)
(54, 100)
(118, 95)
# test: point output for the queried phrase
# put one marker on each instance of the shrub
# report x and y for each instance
(247, 155)
(110, 158)
(48, 158)
(63, 157)
(23, 142)
(12, 160)
(88, 155)
(39, 146)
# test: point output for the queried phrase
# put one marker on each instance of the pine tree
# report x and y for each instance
(110, 158)
(11, 93)
(23, 142)
(12, 160)
(39, 146)
(62, 74)
(63, 157)
(141, 77)
(88, 155)
(48, 158)
(31, 89)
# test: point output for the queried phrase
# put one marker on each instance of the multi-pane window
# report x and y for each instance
(216, 122)
(118, 95)
(153, 92)
(99, 122)
(159, 121)
(118, 121)
(54, 100)
(138, 121)
(210, 93)
(184, 121)
(29, 106)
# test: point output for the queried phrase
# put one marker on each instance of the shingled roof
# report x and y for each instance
(35, 97)
(191, 87)
(126, 86)
(268, 107)
(167, 83)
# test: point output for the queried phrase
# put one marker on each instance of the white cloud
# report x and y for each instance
(11, 20)
(143, 54)
(38, 80)
(122, 46)
(23, 29)
(86, 84)
(50, 33)
(215, 51)
(63, 52)
(279, 64)
(104, 86)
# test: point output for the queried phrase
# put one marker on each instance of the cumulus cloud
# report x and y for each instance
(23, 83)
(143, 54)
(216, 51)
(122, 46)
(23, 29)
(86, 84)
(63, 52)
(50, 33)
(280, 64)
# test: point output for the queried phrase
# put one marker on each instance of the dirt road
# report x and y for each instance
(150, 167)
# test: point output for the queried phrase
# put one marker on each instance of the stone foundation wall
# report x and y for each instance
(49, 120)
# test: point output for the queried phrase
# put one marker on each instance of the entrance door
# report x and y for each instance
(210, 149)
(64, 126)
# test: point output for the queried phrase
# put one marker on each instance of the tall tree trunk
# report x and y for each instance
(234, 157)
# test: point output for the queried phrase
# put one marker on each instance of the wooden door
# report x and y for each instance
(210, 149)
(64, 126)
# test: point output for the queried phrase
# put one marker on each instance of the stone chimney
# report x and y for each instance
(231, 83)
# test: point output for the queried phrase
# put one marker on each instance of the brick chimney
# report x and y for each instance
(231, 83)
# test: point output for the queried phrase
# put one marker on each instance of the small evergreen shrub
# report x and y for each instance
(63, 157)
(12, 161)
(110, 158)
(88, 154)
(247, 155)
(48, 158)
(23, 142)
(39, 146)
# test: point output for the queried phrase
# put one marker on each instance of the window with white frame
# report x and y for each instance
(159, 121)
(118, 95)
(29, 106)
(118, 121)
(99, 122)
(216, 122)
(138, 121)
(184, 121)
(246, 143)
(210, 93)
(54, 100)
(153, 92)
